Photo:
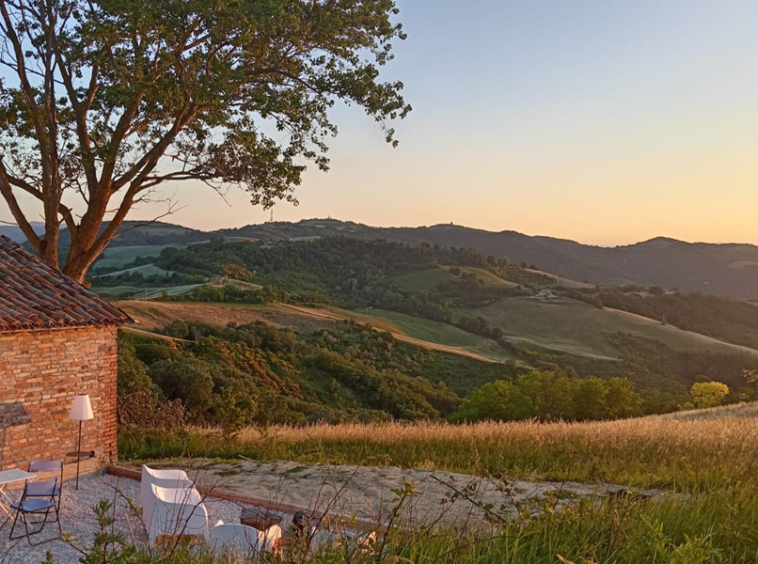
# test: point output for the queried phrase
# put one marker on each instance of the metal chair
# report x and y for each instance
(36, 506)
(33, 489)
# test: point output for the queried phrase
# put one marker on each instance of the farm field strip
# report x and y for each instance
(155, 315)
(571, 326)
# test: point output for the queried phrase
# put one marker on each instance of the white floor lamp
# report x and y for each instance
(80, 411)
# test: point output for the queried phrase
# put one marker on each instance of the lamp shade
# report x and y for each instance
(82, 408)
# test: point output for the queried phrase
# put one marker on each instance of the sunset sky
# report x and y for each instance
(603, 121)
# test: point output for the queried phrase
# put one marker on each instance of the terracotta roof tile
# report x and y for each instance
(36, 296)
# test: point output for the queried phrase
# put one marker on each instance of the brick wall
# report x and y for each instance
(40, 373)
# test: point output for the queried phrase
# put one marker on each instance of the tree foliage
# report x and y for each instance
(708, 394)
(105, 101)
(551, 396)
(257, 374)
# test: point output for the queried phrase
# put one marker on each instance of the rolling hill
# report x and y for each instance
(575, 328)
(14, 232)
(427, 334)
(465, 305)
(720, 269)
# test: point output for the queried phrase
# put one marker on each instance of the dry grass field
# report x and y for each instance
(710, 461)
(683, 453)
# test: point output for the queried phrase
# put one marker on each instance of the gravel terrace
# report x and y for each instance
(366, 493)
(78, 519)
(369, 493)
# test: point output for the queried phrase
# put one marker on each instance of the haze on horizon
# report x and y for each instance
(603, 122)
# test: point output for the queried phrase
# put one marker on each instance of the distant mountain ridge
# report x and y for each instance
(722, 269)
(14, 231)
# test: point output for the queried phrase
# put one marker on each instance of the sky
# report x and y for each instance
(606, 121)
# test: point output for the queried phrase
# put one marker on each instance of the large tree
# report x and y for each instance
(109, 99)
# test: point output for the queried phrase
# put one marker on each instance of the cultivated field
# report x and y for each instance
(424, 279)
(561, 281)
(577, 328)
(145, 270)
(143, 292)
(428, 279)
(487, 278)
(425, 330)
(121, 256)
(429, 334)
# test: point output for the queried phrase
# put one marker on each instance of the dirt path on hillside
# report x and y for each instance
(155, 315)
(369, 493)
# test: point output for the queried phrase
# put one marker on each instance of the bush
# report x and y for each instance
(550, 396)
(708, 394)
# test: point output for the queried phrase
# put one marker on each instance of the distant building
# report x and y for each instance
(544, 294)
(57, 339)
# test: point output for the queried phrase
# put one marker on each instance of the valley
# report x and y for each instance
(445, 317)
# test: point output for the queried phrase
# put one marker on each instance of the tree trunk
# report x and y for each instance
(81, 255)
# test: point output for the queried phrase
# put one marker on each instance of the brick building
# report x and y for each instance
(57, 339)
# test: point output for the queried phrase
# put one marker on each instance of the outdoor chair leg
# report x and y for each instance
(26, 528)
(13, 527)
(42, 527)
(58, 521)
(29, 533)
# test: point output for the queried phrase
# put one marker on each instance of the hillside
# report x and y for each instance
(452, 300)
(154, 315)
(721, 269)
(576, 328)
(14, 232)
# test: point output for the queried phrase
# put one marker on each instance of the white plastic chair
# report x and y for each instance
(175, 511)
(163, 478)
(244, 542)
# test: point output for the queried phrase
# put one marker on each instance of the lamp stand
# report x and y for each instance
(78, 454)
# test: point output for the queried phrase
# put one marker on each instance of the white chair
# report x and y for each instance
(163, 478)
(242, 541)
(175, 511)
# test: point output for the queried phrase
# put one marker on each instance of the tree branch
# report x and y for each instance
(18, 214)
(80, 111)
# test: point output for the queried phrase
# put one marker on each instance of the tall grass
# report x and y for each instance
(711, 460)
(714, 527)
(659, 452)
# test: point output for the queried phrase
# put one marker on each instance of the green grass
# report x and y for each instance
(115, 257)
(560, 281)
(442, 333)
(145, 270)
(573, 327)
(423, 279)
(487, 278)
(428, 279)
(150, 292)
